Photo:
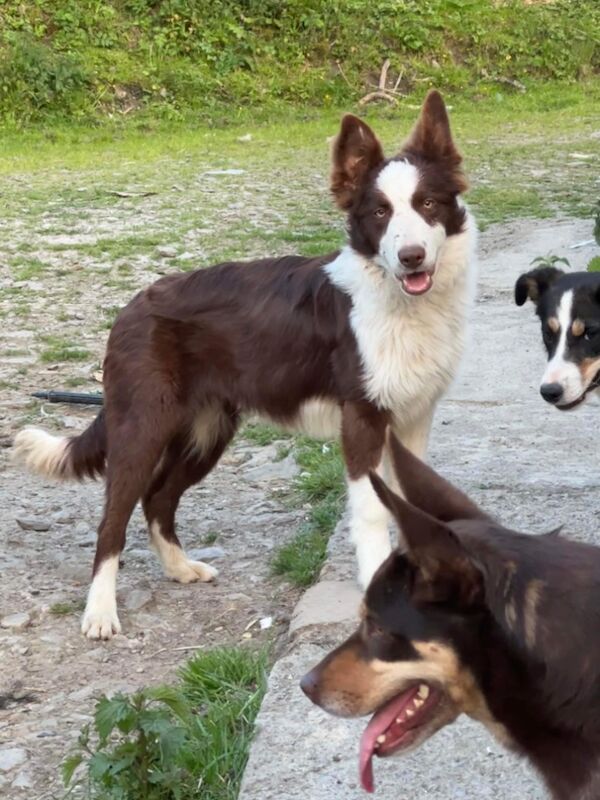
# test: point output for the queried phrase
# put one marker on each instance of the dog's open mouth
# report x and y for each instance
(395, 727)
(595, 384)
(417, 282)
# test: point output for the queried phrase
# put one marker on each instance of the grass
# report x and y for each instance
(261, 434)
(320, 484)
(63, 609)
(59, 349)
(180, 742)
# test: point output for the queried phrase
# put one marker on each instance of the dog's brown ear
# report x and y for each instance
(431, 137)
(424, 488)
(532, 285)
(356, 151)
(444, 566)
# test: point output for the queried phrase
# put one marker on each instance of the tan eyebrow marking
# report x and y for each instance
(578, 327)
(554, 324)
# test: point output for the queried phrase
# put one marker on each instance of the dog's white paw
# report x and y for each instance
(188, 571)
(100, 623)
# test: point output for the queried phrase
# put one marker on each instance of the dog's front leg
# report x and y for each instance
(363, 441)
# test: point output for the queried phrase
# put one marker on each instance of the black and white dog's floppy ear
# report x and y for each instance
(532, 285)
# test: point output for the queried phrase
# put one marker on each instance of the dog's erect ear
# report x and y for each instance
(444, 565)
(424, 488)
(355, 152)
(532, 285)
(431, 137)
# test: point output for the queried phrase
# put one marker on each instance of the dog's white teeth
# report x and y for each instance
(423, 692)
(417, 702)
(381, 739)
(409, 712)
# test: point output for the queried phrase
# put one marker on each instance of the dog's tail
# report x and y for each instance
(64, 457)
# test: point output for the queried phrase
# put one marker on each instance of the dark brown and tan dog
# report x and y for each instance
(477, 619)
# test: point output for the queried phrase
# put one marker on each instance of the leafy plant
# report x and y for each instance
(173, 742)
(552, 260)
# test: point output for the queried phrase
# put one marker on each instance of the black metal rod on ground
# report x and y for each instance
(79, 398)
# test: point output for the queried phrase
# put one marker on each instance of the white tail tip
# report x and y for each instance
(42, 452)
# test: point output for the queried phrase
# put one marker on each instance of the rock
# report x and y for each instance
(63, 517)
(136, 599)
(34, 524)
(16, 622)
(166, 251)
(283, 470)
(206, 553)
(11, 757)
(24, 780)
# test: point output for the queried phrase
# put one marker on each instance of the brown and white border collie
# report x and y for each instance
(341, 345)
(470, 617)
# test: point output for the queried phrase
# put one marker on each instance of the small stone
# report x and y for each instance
(24, 780)
(166, 251)
(206, 553)
(63, 518)
(34, 524)
(136, 599)
(16, 622)
(11, 757)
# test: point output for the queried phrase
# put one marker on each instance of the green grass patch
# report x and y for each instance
(262, 434)
(177, 742)
(321, 484)
(594, 265)
(59, 349)
(63, 609)
(222, 59)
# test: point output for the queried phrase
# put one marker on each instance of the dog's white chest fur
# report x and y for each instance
(410, 346)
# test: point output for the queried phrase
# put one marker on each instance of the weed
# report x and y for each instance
(62, 609)
(174, 742)
(261, 434)
(59, 349)
(321, 484)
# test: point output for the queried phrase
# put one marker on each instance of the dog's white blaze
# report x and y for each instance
(176, 564)
(100, 619)
(398, 181)
(558, 369)
(369, 528)
(43, 453)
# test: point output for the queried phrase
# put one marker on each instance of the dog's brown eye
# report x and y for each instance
(429, 203)
(380, 212)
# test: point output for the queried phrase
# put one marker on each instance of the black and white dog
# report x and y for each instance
(568, 305)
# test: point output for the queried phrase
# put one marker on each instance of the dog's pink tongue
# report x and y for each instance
(417, 282)
(378, 725)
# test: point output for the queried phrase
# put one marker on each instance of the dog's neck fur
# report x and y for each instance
(534, 679)
(383, 319)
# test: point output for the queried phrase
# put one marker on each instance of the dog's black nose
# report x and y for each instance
(412, 257)
(551, 392)
(310, 685)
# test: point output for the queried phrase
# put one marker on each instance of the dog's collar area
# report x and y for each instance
(392, 727)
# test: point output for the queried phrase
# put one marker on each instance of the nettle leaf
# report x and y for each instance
(116, 712)
(100, 768)
(173, 698)
(69, 766)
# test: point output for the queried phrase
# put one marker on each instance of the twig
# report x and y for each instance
(383, 75)
(509, 81)
(377, 95)
(177, 649)
(343, 74)
(400, 76)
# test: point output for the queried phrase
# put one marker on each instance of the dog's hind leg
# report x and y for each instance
(183, 465)
(363, 440)
(132, 458)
